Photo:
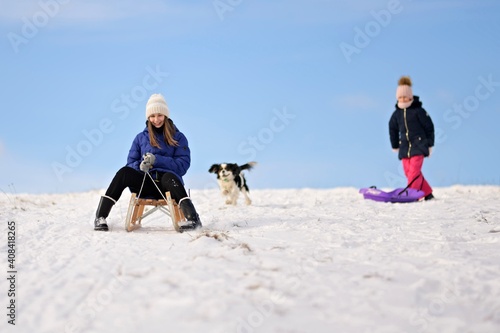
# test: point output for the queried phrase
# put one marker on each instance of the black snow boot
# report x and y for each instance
(102, 213)
(193, 219)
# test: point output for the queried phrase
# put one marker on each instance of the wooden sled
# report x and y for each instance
(136, 207)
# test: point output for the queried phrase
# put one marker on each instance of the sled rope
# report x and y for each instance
(142, 185)
(159, 191)
(155, 184)
(421, 185)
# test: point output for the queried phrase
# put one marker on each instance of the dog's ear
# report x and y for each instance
(214, 168)
(235, 168)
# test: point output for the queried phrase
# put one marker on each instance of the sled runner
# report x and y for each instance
(135, 213)
(397, 195)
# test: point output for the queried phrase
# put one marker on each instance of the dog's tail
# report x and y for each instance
(248, 166)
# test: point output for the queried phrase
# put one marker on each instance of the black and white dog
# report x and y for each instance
(232, 181)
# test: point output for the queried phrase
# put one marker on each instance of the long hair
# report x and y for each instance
(168, 133)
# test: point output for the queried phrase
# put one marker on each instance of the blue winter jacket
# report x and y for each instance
(174, 159)
(411, 130)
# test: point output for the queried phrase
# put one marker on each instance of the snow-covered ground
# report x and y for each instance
(295, 261)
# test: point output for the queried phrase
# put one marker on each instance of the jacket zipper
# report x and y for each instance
(407, 134)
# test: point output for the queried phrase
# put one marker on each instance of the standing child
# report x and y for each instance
(411, 133)
(160, 150)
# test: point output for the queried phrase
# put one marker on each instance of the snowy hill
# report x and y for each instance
(295, 261)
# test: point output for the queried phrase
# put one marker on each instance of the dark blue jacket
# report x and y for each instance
(174, 159)
(411, 130)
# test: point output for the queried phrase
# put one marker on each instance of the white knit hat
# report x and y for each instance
(157, 104)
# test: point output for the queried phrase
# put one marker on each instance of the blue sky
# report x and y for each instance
(305, 88)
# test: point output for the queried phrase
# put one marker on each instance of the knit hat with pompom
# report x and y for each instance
(404, 89)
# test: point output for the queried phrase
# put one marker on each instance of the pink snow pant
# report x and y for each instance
(413, 167)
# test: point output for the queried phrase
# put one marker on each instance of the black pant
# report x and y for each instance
(131, 178)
